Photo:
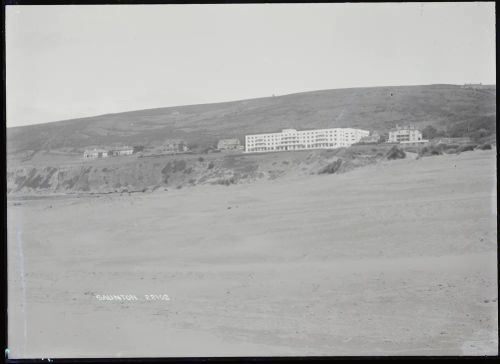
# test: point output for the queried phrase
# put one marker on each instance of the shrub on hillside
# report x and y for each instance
(431, 150)
(450, 148)
(423, 152)
(395, 153)
(179, 166)
(466, 148)
(412, 150)
(173, 167)
(438, 150)
(226, 181)
(210, 165)
(331, 167)
(484, 147)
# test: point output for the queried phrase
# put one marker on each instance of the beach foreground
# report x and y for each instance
(396, 258)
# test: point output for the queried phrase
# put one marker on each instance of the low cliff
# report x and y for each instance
(127, 174)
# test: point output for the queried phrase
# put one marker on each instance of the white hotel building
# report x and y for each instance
(291, 139)
(406, 135)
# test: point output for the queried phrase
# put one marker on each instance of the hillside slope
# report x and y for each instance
(377, 108)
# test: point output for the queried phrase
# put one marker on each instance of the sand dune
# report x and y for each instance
(396, 258)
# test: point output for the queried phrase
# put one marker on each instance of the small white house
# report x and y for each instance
(121, 151)
(95, 153)
(229, 144)
(173, 146)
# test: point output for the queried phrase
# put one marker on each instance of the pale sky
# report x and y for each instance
(73, 61)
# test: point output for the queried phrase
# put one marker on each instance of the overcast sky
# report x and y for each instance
(71, 61)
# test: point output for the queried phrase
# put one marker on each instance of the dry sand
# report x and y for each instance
(397, 258)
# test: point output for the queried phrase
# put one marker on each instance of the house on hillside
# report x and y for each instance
(229, 145)
(374, 138)
(173, 146)
(95, 153)
(406, 135)
(121, 151)
(473, 86)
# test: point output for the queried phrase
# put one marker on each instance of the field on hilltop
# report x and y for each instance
(446, 107)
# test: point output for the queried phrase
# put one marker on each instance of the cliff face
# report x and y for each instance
(146, 174)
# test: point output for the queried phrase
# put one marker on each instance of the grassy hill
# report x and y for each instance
(448, 108)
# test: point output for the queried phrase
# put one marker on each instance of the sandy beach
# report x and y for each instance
(396, 258)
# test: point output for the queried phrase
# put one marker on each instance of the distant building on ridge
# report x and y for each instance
(229, 145)
(173, 146)
(121, 151)
(95, 153)
(473, 86)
